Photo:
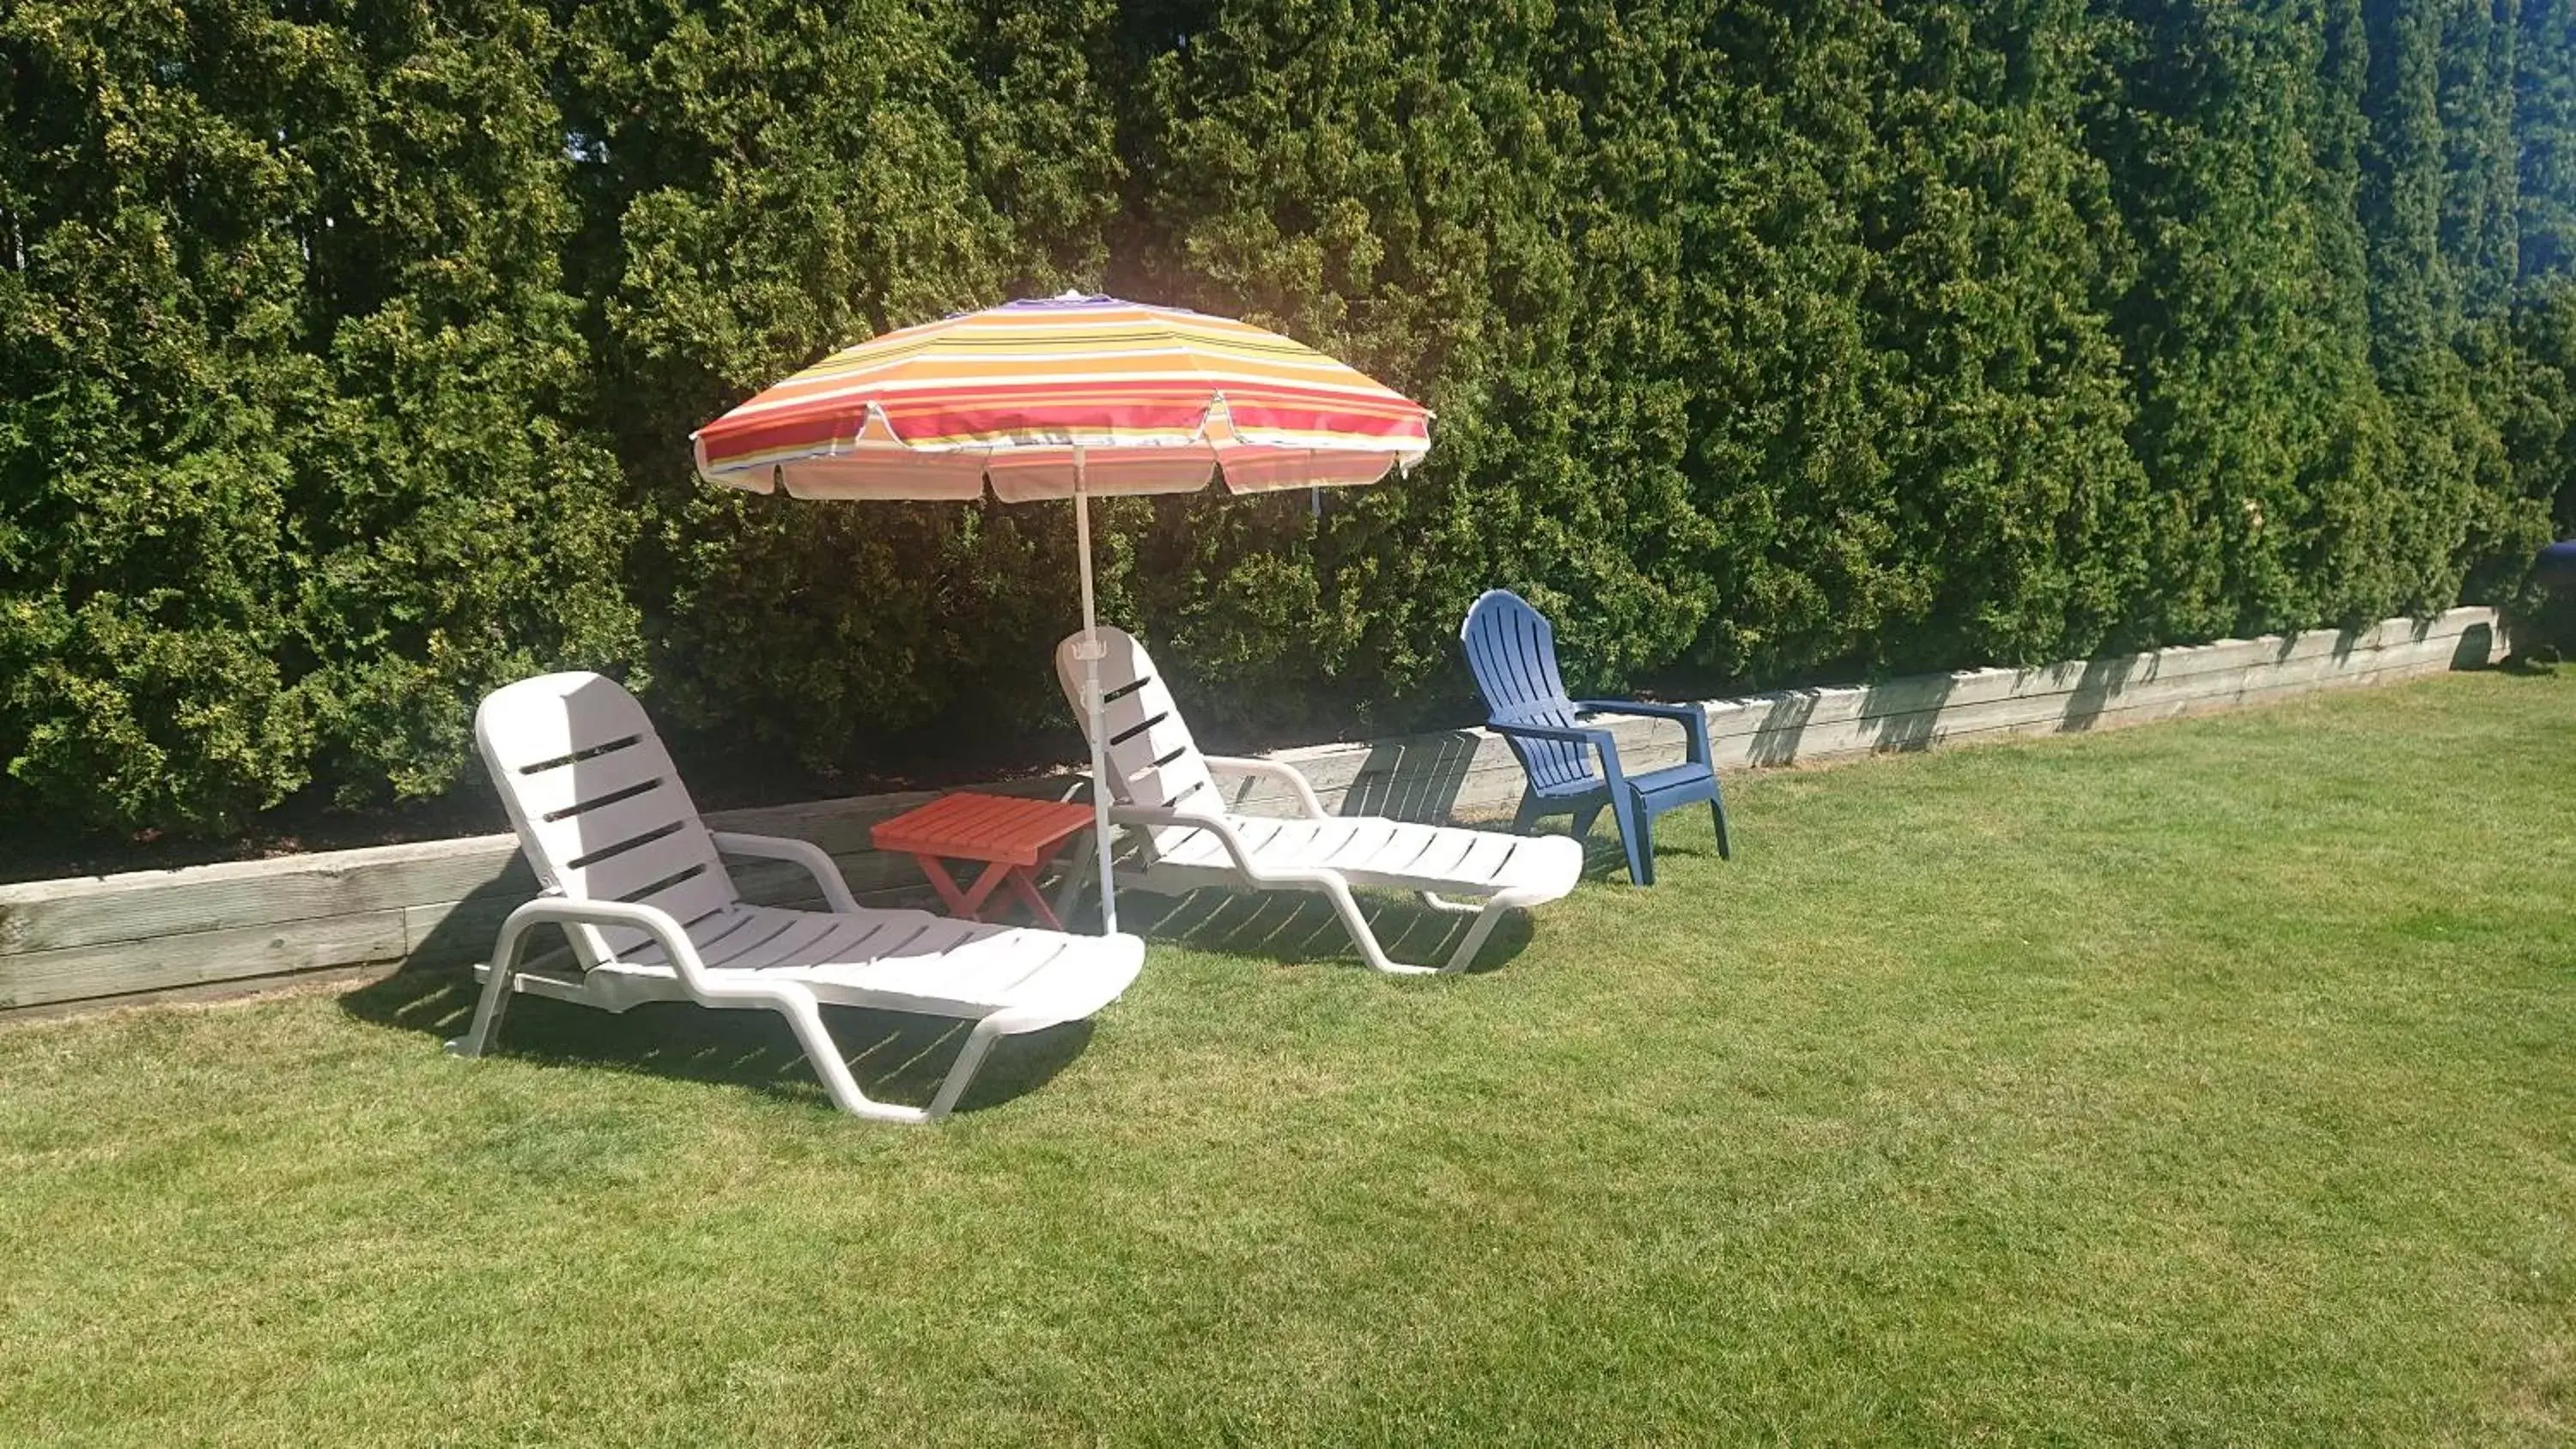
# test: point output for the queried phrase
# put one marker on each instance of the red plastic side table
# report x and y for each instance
(1012, 838)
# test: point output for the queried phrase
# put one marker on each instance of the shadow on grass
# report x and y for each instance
(1604, 857)
(1606, 861)
(1299, 927)
(896, 1057)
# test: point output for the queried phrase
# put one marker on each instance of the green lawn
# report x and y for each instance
(2213, 1082)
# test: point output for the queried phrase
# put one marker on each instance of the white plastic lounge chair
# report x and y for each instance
(635, 879)
(1160, 781)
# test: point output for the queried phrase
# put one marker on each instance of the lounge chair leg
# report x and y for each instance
(1717, 811)
(1465, 955)
(1361, 936)
(1527, 815)
(496, 991)
(1487, 914)
(970, 1060)
(1583, 819)
(806, 1017)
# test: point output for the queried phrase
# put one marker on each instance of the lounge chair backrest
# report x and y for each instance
(1511, 649)
(1153, 762)
(601, 813)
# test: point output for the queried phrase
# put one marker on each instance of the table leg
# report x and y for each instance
(968, 904)
(982, 890)
(1023, 883)
(941, 882)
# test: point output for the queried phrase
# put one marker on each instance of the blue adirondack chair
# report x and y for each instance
(1512, 651)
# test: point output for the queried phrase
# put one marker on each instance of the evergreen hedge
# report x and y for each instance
(348, 352)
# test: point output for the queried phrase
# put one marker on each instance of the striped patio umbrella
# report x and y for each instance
(1067, 397)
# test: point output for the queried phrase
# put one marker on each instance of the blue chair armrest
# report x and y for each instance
(1692, 719)
(1596, 739)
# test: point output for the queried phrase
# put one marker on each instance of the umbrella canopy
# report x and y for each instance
(1066, 397)
(1059, 395)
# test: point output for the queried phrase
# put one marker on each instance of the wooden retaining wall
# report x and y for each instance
(221, 929)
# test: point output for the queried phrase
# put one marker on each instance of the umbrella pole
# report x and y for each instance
(1092, 707)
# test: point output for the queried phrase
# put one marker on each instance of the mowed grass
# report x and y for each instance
(2212, 1082)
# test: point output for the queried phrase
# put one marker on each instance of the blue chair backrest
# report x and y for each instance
(1511, 649)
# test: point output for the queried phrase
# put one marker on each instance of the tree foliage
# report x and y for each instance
(293, 443)
(351, 351)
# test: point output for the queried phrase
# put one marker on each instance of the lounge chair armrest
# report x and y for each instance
(1271, 769)
(1596, 739)
(817, 863)
(651, 920)
(1692, 719)
(705, 985)
(1251, 869)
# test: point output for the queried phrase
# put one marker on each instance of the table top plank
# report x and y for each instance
(996, 819)
(996, 829)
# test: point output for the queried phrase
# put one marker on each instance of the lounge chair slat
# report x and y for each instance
(565, 787)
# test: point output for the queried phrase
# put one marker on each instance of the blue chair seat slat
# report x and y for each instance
(1674, 786)
(1511, 650)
